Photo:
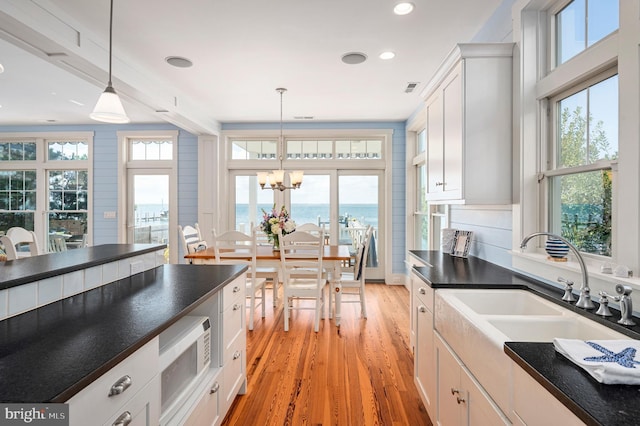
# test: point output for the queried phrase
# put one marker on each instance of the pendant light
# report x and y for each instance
(109, 108)
(275, 179)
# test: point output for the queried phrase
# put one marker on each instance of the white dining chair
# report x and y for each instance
(191, 239)
(238, 248)
(303, 276)
(57, 243)
(270, 273)
(16, 237)
(353, 283)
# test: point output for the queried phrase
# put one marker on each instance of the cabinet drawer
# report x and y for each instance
(233, 292)
(93, 405)
(423, 293)
(233, 320)
(234, 370)
(207, 411)
(143, 409)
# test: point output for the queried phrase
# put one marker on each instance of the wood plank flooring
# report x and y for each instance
(359, 374)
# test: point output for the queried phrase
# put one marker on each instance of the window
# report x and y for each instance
(151, 149)
(421, 215)
(581, 180)
(581, 24)
(44, 186)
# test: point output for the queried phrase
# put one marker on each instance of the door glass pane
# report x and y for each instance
(310, 203)
(250, 200)
(151, 208)
(358, 207)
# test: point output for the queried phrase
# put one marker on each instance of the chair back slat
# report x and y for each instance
(235, 247)
(301, 254)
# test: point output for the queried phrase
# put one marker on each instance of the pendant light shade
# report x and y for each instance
(109, 108)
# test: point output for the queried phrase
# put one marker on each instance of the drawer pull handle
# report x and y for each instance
(460, 400)
(236, 355)
(215, 388)
(454, 391)
(236, 289)
(423, 290)
(120, 386)
(422, 309)
(124, 419)
(236, 307)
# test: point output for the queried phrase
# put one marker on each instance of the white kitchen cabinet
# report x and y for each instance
(529, 396)
(207, 411)
(131, 386)
(469, 126)
(233, 342)
(424, 355)
(142, 409)
(461, 399)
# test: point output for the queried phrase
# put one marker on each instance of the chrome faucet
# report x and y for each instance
(584, 301)
(626, 307)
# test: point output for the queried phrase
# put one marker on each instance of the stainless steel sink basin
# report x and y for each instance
(504, 302)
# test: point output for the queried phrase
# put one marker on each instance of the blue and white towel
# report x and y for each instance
(612, 362)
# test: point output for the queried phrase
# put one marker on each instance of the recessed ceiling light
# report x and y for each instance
(403, 8)
(178, 61)
(354, 58)
(387, 55)
(1, 68)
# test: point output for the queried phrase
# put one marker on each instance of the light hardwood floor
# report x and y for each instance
(359, 374)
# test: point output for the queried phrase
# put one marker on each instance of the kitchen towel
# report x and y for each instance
(611, 362)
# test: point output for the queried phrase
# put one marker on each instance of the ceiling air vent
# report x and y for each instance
(411, 86)
(303, 117)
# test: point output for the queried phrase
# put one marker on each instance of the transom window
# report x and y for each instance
(308, 149)
(17, 151)
(581, 24)
(151, 149)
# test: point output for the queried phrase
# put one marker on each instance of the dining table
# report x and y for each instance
(334, 256)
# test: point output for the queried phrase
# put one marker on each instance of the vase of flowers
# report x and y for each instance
(274, 222)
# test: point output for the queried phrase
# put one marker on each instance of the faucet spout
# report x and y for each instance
(584, 301)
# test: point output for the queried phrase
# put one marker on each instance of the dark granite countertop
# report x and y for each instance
(593, 402)
(583, 395)
(51, 353)
(29, 269)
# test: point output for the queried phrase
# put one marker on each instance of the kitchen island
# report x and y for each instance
(580, 395)
(52, 353)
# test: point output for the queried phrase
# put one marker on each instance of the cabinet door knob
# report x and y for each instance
(214, 388)
(460, 400)
(236, 355)
(236, 307)
(120, 386)
(236, 289)
(124, 419)
(422, 309)
(422, 290)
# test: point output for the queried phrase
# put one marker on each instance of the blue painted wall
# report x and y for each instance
(397, 196)
(105, 178)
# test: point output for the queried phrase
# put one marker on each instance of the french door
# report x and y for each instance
(343, 201)
(150, 211)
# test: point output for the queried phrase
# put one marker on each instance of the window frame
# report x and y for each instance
(42, 165)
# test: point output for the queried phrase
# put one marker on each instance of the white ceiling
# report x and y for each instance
(55, 55)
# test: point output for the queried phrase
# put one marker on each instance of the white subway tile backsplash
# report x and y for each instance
(72, 283)
(92, 277)
(4, 294)
(109, 272)
(49, 290)
(23, 298)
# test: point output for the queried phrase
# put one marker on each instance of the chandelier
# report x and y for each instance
(275, 178)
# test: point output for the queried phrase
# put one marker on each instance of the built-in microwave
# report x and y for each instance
(185, 356)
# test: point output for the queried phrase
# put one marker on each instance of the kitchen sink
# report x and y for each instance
(545, 329)
(504, 302)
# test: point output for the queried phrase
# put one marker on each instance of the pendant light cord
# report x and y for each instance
(281, 90)
(110, 39)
